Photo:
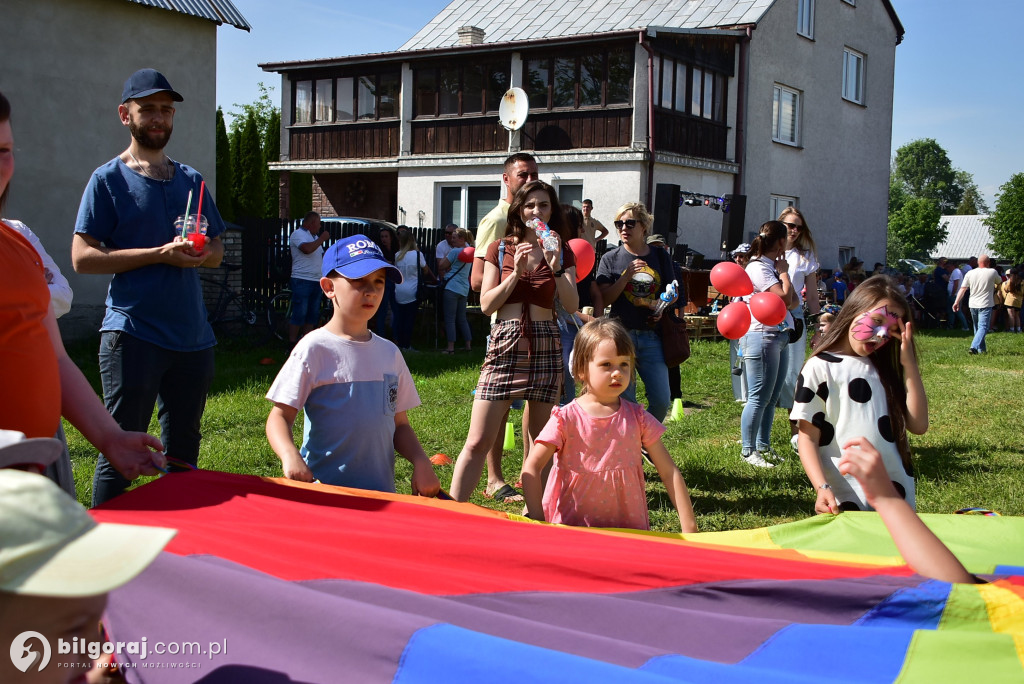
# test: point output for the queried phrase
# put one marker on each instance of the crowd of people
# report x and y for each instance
(851, 404)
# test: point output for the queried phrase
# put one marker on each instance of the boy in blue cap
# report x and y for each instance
(353, 386)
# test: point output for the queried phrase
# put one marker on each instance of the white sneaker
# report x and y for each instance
(755, 459)
(794, 442)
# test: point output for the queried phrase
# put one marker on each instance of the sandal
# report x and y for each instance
(506, 494)
(448, 352)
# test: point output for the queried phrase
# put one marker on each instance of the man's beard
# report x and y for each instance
(147, 140)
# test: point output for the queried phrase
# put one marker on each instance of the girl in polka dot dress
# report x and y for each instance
(862, 381)
(597, 479)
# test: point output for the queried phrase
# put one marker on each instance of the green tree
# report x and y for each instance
(249, 181)
(972, 202)
(923, 170)
(271, 153)
(224, 198)
(914, 230)
(300, 194)
(1006, 223)
(262, 110)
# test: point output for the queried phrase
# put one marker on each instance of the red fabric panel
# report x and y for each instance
(432, 547)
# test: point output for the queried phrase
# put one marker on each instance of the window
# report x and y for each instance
(853, 76)
(845, 254)
(786, 116)
(778, 203)
(466, 205)
(590, 79)
(805, 18)
(850, 2)
(571, 193)
(688, 89)
(303, 102)
(458, 90)
(340, 100)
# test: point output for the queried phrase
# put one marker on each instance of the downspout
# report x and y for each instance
(741, 113)
(650, 120)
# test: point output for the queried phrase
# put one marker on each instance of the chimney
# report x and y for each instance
(470, 35)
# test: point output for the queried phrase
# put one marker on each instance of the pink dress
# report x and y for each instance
(597, 479)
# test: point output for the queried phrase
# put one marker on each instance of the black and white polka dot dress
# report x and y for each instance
(843, 397)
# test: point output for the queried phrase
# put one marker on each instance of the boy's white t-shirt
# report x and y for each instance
(350, 392)
(843, 397)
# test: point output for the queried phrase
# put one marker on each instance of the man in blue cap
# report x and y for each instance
(156, 346)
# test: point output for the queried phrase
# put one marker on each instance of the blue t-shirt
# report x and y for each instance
(350, 392)
(159, 303)
(457, 277)
(840, 289)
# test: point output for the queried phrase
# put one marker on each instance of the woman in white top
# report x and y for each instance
(801, 254)
(411, 262)
(765, 360)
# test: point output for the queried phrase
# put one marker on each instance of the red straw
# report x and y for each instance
(199, 211)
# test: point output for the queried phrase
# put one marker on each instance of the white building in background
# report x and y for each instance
(780, 101)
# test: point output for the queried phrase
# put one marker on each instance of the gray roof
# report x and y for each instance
(966, 236)
(517, 20)
(217, 11)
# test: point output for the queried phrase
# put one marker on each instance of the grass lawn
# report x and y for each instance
(973, 454)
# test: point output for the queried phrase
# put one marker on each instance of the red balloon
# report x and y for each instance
(466, 255)
(768, 308)
(730, 279)
(585, 257)
(734, 320)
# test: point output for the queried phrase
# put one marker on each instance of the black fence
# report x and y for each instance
(266, 257)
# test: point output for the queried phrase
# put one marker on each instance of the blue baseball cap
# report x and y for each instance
(355, 257)
(145, 82)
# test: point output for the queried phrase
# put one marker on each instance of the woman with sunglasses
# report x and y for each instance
(524, 353)
(631, 277)
(802, 257)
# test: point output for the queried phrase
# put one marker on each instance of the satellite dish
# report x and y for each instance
(513, 109)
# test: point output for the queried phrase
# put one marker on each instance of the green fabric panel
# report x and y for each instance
(959, 656)
(965, 610)
(980, 542)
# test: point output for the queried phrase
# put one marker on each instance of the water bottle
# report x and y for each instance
(714, 308)
(665, 297)
(548, 240)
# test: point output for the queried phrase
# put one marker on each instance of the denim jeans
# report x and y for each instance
(650, 366)
(797, 352)
(955, 318)
(765, 363)
(455, 314)
(135, 376)
(982, 319)
(403, 318)
(306, 296)
(567, 333)
(739, 382)
(386, 302)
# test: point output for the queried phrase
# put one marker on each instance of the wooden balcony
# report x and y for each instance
(690, 135)
(369, 140)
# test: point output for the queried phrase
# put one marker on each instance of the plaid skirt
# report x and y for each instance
(517, 367)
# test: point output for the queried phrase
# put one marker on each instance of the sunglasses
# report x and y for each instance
(629, 223)
(794, 226)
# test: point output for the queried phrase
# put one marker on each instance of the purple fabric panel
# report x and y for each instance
(276, 631)
(723, 622)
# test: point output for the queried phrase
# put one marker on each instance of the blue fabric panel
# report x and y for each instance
(853, 654)
(917, 607)
(681, 668)
(1009, 570)
(445, 653)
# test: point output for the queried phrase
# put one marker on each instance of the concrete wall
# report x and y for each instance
(840, 171)
(64, 67)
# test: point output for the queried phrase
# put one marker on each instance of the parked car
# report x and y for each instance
(913, 266)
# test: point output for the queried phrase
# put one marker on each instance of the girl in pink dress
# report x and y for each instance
(597, 479)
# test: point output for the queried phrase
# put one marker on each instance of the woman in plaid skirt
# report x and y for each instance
(524, 354)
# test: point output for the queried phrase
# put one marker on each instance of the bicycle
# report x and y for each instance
(235, 314)
(279, 313)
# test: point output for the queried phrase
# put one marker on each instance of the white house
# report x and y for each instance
(64, 66)
(779, 101)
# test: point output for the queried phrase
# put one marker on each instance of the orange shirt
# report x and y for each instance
(29, 376)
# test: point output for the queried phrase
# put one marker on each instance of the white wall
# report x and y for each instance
(64, 67)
